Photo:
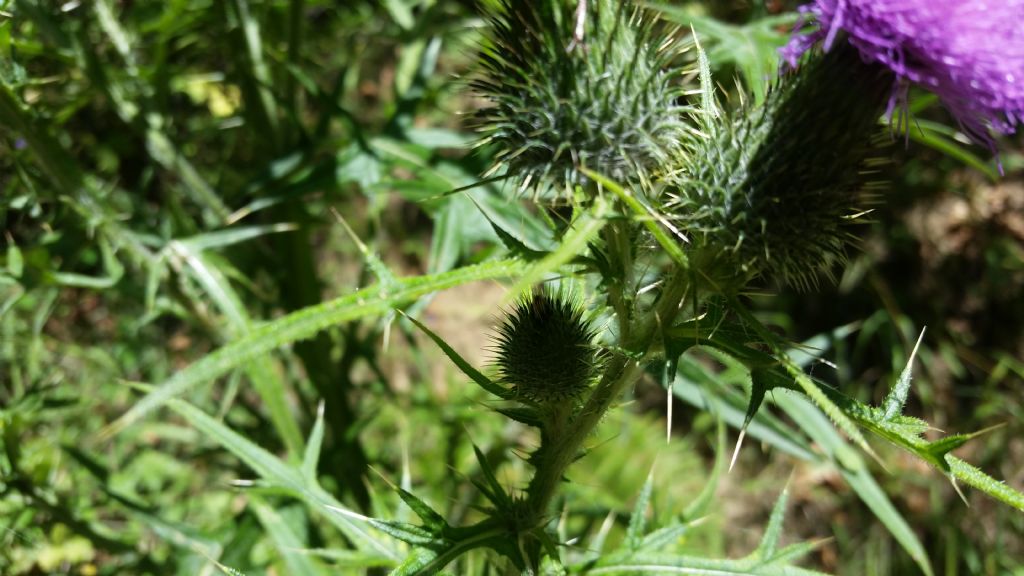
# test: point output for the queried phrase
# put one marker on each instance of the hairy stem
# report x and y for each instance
(623, 369)
(620, 255)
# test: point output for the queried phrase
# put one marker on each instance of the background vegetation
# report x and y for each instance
(177, 173)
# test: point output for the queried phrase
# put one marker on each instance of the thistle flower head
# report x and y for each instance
(774, 189)
(968, 52)
(577, 83)
(545, 348)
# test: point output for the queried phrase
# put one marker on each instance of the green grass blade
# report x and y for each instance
(262, 371)
(286, 541)
(311, 459)
(772, 533)
(934, 136)
(158, 143)
(696, 386)
(638, 520)
(253, 65)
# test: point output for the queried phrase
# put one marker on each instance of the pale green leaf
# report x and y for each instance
(311, 459)
(772, 533)
(638, 520)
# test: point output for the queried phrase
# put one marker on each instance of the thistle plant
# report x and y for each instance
(717, 199)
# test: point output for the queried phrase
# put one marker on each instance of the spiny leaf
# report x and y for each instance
(943, 446)
(466, 368)
(856, 473)
(522, 414)
(306, 323)
(913, 443)
(431, 519)
(704, 390)
(897, 397)
(429, 561)
(275, 471)
(495, 492)
(408, 533)
(758, 387)
(809, 387)
(974, 477)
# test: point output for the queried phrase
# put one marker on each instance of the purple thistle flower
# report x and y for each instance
(968, 52)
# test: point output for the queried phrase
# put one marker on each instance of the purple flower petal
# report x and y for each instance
(968, 52)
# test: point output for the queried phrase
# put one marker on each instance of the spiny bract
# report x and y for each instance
(592, 84)
(545, 348)
(773, 190)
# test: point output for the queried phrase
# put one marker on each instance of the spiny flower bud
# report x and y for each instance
(576, 84)
(773, 190)
(545, 349)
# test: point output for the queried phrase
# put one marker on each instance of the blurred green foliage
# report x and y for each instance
(169, 172)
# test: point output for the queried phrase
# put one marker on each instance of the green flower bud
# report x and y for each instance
(775, 189)
(545, 349)
(578, 84)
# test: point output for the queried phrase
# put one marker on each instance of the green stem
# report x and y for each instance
(296, 14)
(622, 370)
(252, 68)
(620, 254)
(55, 162)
